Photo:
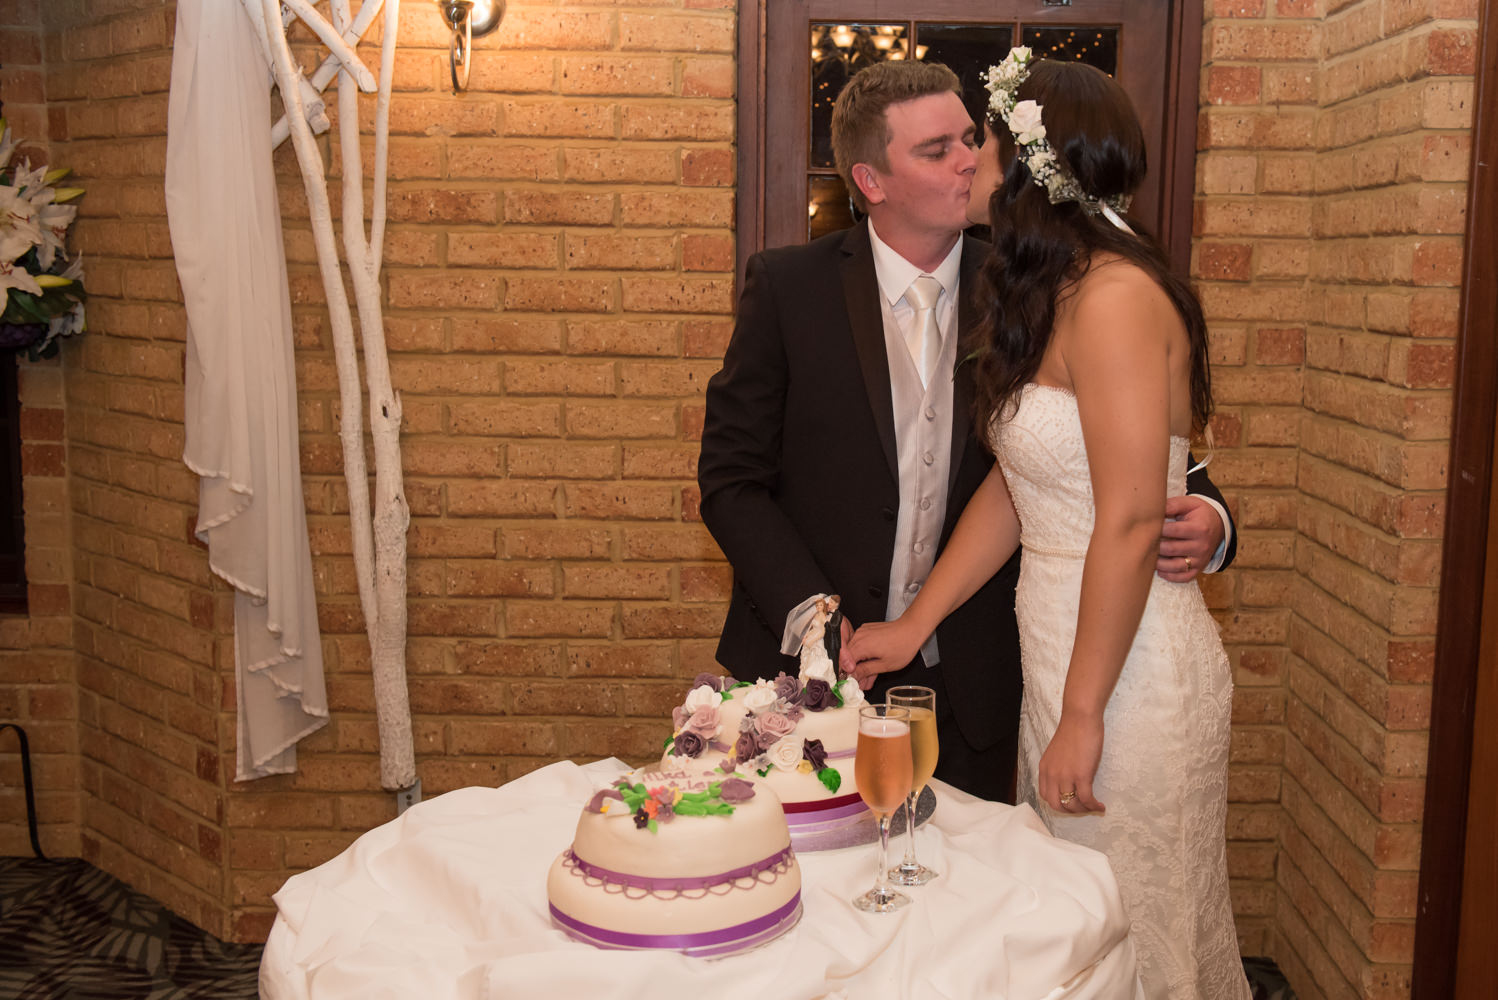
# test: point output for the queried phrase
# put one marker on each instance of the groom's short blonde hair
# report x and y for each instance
(860, 131)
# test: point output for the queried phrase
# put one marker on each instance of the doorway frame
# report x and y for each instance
(1463, 556)
(1183, 30)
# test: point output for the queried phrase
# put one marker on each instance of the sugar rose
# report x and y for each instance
(775, 725)
(702, 696)
(786, 754)
(760, 698)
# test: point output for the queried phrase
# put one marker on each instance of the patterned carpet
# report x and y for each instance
(70, 932)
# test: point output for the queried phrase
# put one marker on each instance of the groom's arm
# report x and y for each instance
(740, 465)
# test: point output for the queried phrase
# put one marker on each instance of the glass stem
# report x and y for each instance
(910, 863)
(881, 875)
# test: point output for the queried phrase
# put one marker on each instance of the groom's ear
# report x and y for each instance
(867, 179)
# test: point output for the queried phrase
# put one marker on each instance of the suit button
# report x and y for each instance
(876, 592)
(888, 512)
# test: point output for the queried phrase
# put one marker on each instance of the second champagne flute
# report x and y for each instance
(882, 769)
(921, 701)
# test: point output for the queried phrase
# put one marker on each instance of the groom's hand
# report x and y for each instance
(1189, 540)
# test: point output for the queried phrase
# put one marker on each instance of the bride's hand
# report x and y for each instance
(880, 647)
(1070, 763)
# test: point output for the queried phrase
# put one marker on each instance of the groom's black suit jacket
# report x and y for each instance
(800, 485)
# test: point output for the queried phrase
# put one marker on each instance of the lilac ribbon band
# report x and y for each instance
(841, 754)
(678, 884)
(704, 944)
(820, 805)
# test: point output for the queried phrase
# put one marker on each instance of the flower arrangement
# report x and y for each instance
(43, 289)
(1023, 119)
(766, 737)
(650, 807)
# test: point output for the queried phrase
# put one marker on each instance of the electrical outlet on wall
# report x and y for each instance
(405, 798)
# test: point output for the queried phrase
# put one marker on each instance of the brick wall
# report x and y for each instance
(1335, 150)
(37, 682)
(558, 274)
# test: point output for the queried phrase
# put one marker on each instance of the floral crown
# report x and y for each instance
(1023, 120)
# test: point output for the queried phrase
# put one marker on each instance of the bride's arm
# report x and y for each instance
(985, 537)
(1115, 344)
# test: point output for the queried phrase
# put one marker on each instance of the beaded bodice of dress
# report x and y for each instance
(1044, 459)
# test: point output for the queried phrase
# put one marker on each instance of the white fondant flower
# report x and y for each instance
(816, 666)
(786, 753)
(701, 696)
(851, 693)
(760, 698)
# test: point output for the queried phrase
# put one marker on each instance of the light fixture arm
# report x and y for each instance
(468, 19)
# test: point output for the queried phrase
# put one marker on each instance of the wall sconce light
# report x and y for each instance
(468, 19)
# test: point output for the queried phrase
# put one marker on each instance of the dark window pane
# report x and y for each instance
(837, 52)
(828, 208)
(968, 50)
(1094, 46)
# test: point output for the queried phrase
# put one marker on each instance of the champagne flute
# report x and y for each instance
(921, 702)
(883, 769)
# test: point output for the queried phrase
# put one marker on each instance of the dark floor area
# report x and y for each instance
(70, 932)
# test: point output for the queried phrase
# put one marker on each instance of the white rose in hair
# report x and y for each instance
(817, 666)
(786, 752)
(1024, 122)
(760, 698)
(851, 693)
(701, 696)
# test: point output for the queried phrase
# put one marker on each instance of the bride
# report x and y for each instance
(1092, 374)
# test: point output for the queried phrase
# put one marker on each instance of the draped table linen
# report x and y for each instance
(448, 901)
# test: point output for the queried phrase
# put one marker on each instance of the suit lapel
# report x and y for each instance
(962, 387)
(866, 320)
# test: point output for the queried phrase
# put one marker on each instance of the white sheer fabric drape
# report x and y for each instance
(241, 415)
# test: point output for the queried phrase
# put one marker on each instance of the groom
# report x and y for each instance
(837, 450)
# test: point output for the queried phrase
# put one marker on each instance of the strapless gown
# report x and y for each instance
(1163, 776)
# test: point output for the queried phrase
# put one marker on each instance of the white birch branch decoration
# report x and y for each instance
(378, 527)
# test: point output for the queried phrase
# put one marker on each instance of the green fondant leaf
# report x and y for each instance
(653, 826)
(830, 777)
(764, 771)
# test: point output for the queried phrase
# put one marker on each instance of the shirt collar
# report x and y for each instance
(895, 273)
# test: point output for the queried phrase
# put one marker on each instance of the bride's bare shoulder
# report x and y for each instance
(1116, 290)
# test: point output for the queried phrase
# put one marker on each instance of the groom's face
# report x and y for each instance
(931, 162)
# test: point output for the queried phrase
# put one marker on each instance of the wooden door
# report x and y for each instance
(806, 49)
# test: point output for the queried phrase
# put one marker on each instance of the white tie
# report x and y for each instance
(924, 337)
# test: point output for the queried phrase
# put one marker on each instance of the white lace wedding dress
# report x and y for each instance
(1163, 776)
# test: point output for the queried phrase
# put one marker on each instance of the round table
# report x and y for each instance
(449, 901)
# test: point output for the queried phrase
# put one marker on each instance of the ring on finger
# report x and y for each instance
(1189, 564)
(1067, 798)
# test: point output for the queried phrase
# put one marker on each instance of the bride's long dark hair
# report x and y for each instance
(1042, 250)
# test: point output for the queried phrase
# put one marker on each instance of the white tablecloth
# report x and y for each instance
(449, 901)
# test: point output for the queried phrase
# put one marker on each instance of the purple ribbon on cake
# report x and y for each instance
(704, 944)
(678, 884)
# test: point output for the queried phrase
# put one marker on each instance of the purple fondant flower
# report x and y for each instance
(735, 790)
(689, 744)
(817, 696)
(679, 717)
(747, 747)
(704, 722)
(595, 804)
(642, 818)
(775, 725)
(788, 688)
(795, 714)
(812, 750)
(713, 681)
